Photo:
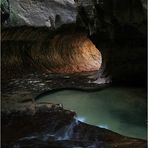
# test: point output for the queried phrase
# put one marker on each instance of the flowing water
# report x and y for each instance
(119, 109)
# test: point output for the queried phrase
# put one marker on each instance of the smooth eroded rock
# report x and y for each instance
(62, 53)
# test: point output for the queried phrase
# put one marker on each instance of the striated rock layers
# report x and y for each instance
(62, 53)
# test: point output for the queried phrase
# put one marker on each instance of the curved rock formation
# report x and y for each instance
(73, 53)
(63, 53)
(119, 28)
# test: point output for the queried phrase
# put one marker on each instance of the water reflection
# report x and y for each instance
(122, 110)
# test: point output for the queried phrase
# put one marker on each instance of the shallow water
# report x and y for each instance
(120, 109)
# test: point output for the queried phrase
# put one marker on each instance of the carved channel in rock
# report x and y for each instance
(61, 53)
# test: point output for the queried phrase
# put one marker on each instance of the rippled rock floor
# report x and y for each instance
(19, 91)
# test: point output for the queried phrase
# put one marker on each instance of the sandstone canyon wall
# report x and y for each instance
(117, 28)
(62, 53)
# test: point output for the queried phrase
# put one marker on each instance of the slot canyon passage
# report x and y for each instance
(73, 73)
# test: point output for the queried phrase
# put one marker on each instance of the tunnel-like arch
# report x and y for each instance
(61, 53)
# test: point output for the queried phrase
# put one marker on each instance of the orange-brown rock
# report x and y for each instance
(62, 53)
(73, 53)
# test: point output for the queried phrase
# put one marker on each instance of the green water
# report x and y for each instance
(122, 110)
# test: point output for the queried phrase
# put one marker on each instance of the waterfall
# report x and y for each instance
(66, 132)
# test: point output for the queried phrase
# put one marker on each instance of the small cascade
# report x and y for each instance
(66, 132)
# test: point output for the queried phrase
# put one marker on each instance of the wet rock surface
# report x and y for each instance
(49, 125)
(19, 93)
(55, 127)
